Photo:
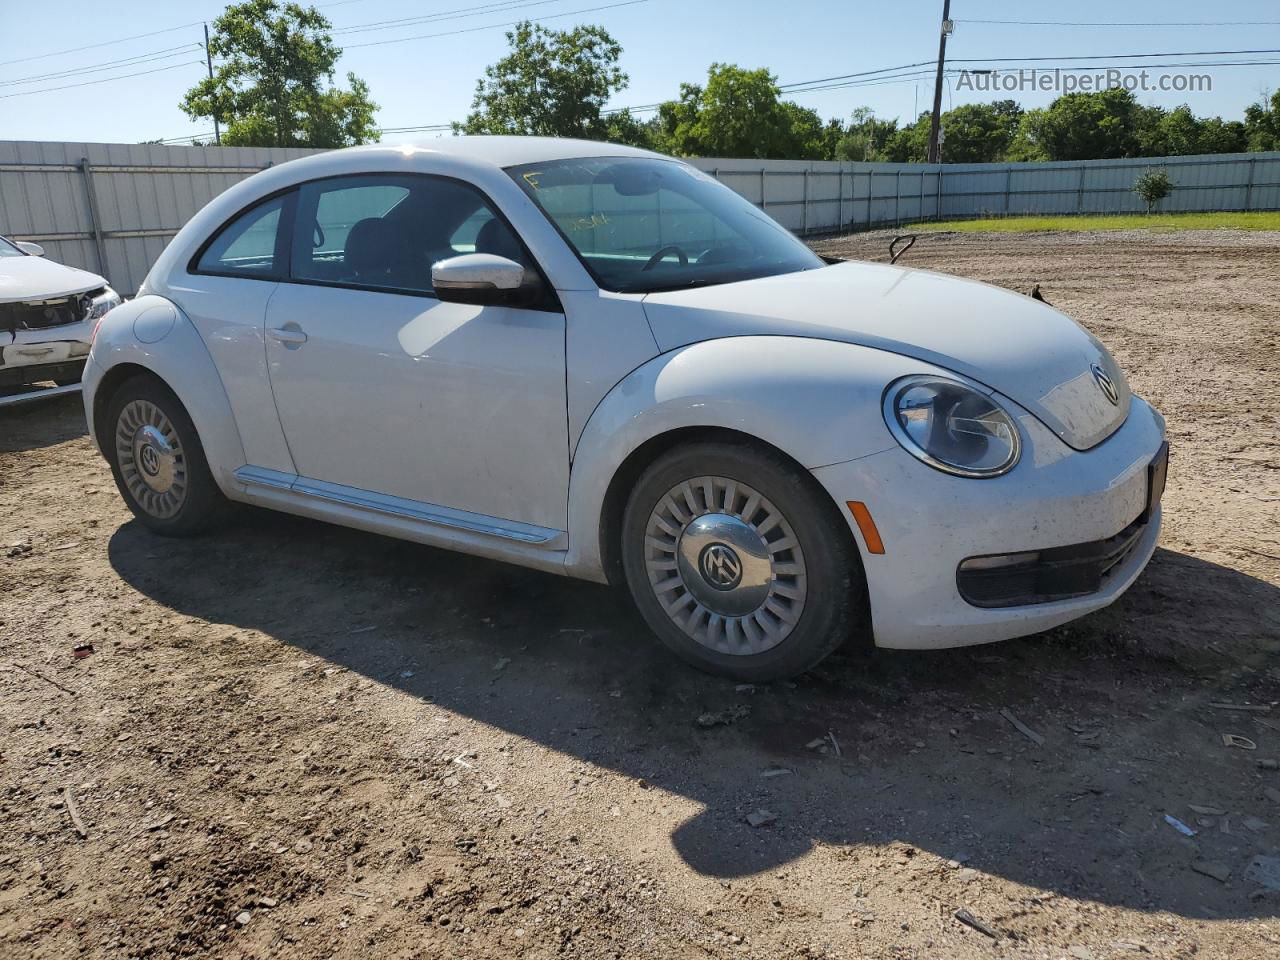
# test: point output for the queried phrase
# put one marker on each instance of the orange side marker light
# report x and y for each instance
(862, 516)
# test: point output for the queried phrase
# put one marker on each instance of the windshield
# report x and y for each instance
(7, 249)
(641, 225)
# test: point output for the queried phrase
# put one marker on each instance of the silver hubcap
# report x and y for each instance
(726, 565)
(151, 459)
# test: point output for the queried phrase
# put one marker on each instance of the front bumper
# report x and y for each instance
(22, 375)
(931, 523)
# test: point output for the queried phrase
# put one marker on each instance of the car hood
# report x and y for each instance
(1022, 348)
(35, 278)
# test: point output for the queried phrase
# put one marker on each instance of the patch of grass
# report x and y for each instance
(1137, 221)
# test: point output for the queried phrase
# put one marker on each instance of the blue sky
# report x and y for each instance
(431, 80)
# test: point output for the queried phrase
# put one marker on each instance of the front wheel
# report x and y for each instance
(739, 562)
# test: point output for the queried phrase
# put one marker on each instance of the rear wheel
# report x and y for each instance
(737, 560)
(157, 460)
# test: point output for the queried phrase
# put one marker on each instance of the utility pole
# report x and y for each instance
(935, 125)
(208, 61)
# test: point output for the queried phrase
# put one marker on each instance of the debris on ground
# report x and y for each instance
(81, 651)
(1206, 811)
(723, 718)
(1264, 871)
(502, 664)
(761, 817)
(1241, 743)
(1021, 727)
(1244, 707)
(73, 810)
(1178, 825)
(775, 772)
(969, 920)
(1212, 868)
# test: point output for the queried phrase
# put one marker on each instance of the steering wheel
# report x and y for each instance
(669, 248)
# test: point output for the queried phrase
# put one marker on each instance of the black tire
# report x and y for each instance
(834, 603)
(202, 505)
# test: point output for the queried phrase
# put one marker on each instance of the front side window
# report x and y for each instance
(386, 231)
(641, 225)
(247, 245)
(8, 249)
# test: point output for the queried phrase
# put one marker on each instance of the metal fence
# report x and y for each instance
(812, 197)
(111, 208)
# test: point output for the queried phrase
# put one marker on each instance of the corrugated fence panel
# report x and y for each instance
(144, 193)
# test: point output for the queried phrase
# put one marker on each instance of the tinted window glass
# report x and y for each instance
(386, 231)
(8, 249)
(246, 245)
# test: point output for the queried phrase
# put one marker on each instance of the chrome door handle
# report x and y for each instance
(291, 334)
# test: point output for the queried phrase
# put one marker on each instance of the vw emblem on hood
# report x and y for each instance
(720, 566)
(1106, 385)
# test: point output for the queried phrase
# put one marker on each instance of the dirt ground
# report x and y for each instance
(293, 740)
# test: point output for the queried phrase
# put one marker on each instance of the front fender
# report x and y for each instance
(818, 401)
(153, 333)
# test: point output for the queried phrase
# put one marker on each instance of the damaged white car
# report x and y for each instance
(600, 362)
(48, 313)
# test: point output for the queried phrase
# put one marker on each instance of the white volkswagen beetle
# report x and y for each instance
(599, 362)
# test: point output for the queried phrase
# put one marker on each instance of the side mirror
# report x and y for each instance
(34, 249)
(480, 278)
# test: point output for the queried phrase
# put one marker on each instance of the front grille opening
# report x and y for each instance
(45, 314)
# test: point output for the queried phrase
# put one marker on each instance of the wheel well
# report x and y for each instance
(107, 387)
(625, 477)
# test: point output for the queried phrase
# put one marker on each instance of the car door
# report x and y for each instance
(224, 293)
(382, 388)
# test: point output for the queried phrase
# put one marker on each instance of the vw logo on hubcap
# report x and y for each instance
(1106, 385)
(150, 460)
(720, 566)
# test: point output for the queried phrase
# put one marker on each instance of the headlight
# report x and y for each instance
(952, 427)
(98, 307)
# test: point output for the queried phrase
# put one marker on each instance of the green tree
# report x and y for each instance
(1153, 186)
(1179, 132)
(740, 113)
(973, 133)
(866, 137)
(1262, 124)
(553, 83)
(1082, 126)
(270, 86)
(623, 127)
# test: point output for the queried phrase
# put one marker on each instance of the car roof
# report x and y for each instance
(508, 151)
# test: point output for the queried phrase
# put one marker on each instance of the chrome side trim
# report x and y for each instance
(265, 478)
(401, 507)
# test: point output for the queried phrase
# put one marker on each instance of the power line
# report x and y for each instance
(460, 13)
(492, 26)
(104, 43)
(1117, 56)
(88, 83)
(165, 54)
(1163, 23)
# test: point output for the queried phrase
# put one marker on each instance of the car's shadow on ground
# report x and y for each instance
(39, 423)
(925, 757)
